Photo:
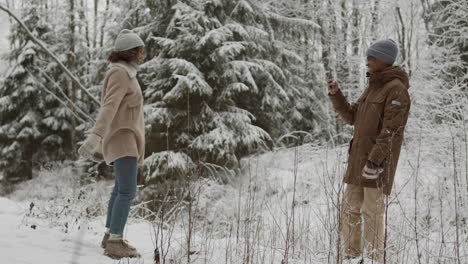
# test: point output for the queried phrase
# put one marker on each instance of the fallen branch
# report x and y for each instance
(56, 97)
(42, 45)
(66, 97)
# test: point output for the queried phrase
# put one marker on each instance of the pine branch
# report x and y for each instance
(66, 97)
(57, 60)
(292, 21)
(55, 96)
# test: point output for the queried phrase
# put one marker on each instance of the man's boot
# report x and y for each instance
(118, 248)
(371, 261)
(352, 260)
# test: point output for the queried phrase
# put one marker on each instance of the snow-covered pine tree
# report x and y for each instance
(218, 86)
(59, 124)
(22, 103)
(297, 24)
(36, 121)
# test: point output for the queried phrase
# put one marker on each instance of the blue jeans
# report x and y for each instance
(124, 191)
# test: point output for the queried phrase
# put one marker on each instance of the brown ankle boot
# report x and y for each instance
(104, 240)
(119, 248)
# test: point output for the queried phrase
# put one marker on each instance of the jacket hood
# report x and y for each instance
(389, 74)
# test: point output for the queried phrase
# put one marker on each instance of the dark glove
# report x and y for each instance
(371, 171)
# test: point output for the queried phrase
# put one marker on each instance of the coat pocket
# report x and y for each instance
(133, 106)
(374, 114)
(376, 100)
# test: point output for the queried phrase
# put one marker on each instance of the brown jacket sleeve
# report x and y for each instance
(396, 113)
(344, 109)
(113, 93)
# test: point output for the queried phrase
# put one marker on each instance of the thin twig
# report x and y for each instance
(56, 97)
(64, 95)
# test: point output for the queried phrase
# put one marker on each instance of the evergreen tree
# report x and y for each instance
(59, 123)
(36, 121)
(22, 103)
(218, 85)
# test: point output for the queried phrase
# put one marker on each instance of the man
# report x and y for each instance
(379, 117)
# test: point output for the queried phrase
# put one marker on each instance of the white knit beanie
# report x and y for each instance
(384, 50)
(127, 40)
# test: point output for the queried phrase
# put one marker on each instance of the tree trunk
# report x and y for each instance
(103, 25)
(355, 31)
(410, 39)
(83, 19)
(358, 82)
(401, 35)
(29, 164)
(375, 20)
(71, 64)
(96, 9)
(341, 49)
(327, 33)
(425, 16)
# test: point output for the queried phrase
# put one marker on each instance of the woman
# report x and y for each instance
(119, 135)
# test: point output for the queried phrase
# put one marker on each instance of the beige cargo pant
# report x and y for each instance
(362, 222)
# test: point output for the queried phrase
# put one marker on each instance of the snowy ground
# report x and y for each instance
(21, 244)
(249, 220)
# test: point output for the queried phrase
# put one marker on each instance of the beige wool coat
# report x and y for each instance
(379, 118)
(120, 121)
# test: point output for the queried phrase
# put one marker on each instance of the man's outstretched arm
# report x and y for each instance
(345, 110)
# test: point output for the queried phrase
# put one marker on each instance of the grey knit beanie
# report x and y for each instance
(384, 50)
(127, 40)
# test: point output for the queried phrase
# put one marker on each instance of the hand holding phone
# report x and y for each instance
(331, 84)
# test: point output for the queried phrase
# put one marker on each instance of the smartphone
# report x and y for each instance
(329, 77)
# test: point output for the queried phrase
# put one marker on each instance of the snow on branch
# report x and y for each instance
(233, 130)
(56, 97)
(230, 49)
(165, 43)
(164, 162)
(65, 96)
(242, 7)
(239, 29)
(181, 66)
(216, 36)
(233, 89)
(241, 70)
(300, 22)
(48, 52)
(191, 82)
(272, 68)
